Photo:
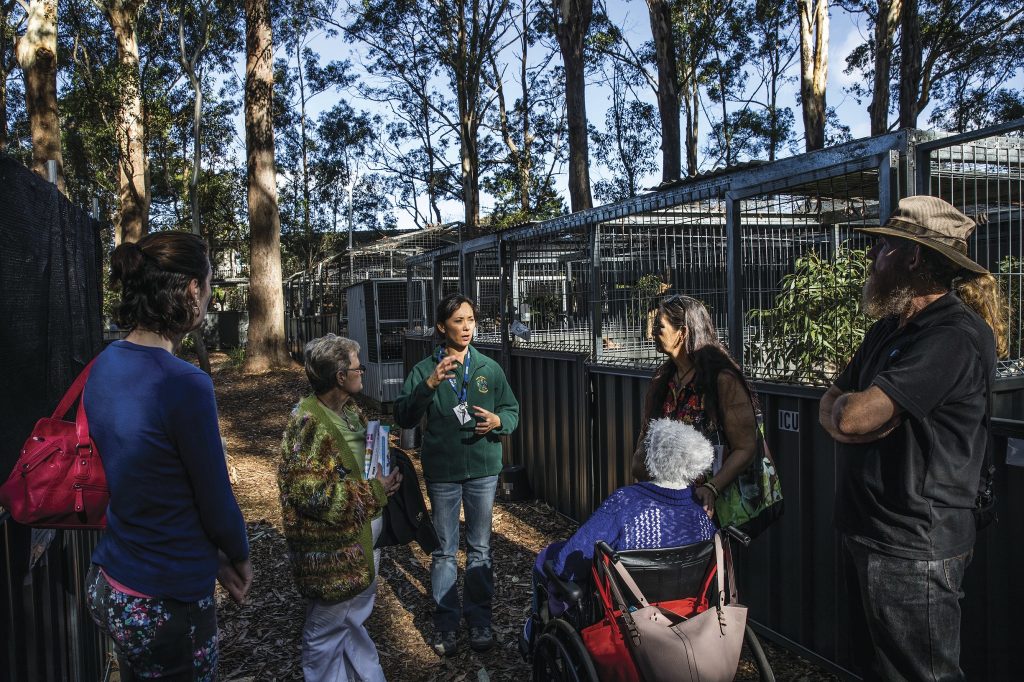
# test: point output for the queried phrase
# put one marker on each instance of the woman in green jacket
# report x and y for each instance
(467, 405)
(332, 515)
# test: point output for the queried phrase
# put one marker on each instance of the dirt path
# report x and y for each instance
(261, 640)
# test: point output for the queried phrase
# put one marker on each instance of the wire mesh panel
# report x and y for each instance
(451, 275)
(549, 282)
(803, 270)
(984, 178)
(485, 289)
(421, 302)
(647, 256)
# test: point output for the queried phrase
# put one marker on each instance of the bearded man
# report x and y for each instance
(910, 413)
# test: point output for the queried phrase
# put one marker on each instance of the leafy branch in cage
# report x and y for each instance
(816, 325)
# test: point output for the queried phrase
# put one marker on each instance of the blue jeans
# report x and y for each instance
(477, 496)
(908, 623)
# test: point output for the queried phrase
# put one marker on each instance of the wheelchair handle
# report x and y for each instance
(606, 549)
(566, 590)
(738, 535)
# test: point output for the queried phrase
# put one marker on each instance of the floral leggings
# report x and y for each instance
(160, 639)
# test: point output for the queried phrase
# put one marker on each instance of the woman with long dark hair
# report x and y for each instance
(700, 384)
(466, 404)
(173, 525)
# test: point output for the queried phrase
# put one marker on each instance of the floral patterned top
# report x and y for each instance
(684, 403)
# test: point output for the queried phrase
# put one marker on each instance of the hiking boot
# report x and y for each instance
(481, 638)
(444, 643)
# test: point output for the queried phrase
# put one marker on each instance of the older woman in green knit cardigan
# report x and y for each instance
(332, 515)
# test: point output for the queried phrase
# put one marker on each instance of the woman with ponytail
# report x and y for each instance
(173, 525)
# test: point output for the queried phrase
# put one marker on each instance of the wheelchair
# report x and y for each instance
(680, 578)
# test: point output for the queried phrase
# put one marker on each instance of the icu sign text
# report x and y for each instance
(789, 420)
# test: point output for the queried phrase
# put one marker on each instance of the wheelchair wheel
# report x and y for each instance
(561, 657)
(764, 668)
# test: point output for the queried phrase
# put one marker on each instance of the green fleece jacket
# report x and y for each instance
(327, 506)
(452, 451)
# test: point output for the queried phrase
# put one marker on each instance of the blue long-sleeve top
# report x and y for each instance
(154, 419)
(638, 516)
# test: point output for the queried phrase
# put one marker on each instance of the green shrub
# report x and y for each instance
(816, 325)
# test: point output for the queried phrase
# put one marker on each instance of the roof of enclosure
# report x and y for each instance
(404, 244)
(813, 174)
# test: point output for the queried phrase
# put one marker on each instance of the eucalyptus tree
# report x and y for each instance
(571, 25)
(36, 51)
(205, 27)
(8, 62)
(530, 122)
(960, 53)
(627, 148)
(440, 53)
(134, 197)
(265, 346)
(814, 39)
(963, 57)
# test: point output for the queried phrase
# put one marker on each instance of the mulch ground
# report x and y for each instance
(261, 639)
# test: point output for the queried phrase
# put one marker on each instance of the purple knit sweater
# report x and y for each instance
(639, 516)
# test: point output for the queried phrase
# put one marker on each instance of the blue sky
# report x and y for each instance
(845, 35)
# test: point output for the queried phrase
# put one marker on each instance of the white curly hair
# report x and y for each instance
(676, 453)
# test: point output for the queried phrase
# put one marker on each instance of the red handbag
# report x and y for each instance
(58, 481)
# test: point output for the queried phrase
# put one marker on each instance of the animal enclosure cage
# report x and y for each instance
(770, 249)
(377, 321)
(315, 299)
(984, 178)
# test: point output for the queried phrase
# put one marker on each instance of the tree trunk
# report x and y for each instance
(668, 88)
(572, 23)
(37, 55)
(133, 171)
(525, 158)
(307, 224)
(191, 68)
(266, 343)
(885, 27)
(470, 169)
(813, 69)
(910, 64)
(691, 98)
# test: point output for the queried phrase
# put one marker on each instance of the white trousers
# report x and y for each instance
(335, 644)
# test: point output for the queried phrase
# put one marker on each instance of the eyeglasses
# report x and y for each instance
(361, 370)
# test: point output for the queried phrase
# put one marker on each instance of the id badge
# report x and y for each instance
(462, 413)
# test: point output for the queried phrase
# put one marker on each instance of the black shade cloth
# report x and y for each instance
(50, 306)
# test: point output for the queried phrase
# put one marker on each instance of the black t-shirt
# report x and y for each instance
(911, 494)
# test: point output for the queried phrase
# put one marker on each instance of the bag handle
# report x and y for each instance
(74, 393)
(627, 617)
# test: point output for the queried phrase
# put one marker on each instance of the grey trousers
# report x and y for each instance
(335, 644)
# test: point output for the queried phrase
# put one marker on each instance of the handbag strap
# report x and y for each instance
(630, 584)
(729, 576)
(620, 603)
(74, 393)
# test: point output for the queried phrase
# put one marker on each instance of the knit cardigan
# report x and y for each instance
(327, 507)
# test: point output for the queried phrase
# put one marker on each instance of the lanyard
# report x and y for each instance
(461, 395)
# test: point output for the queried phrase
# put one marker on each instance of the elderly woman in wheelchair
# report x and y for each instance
(651, 539)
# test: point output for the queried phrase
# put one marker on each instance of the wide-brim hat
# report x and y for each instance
(933, 223)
